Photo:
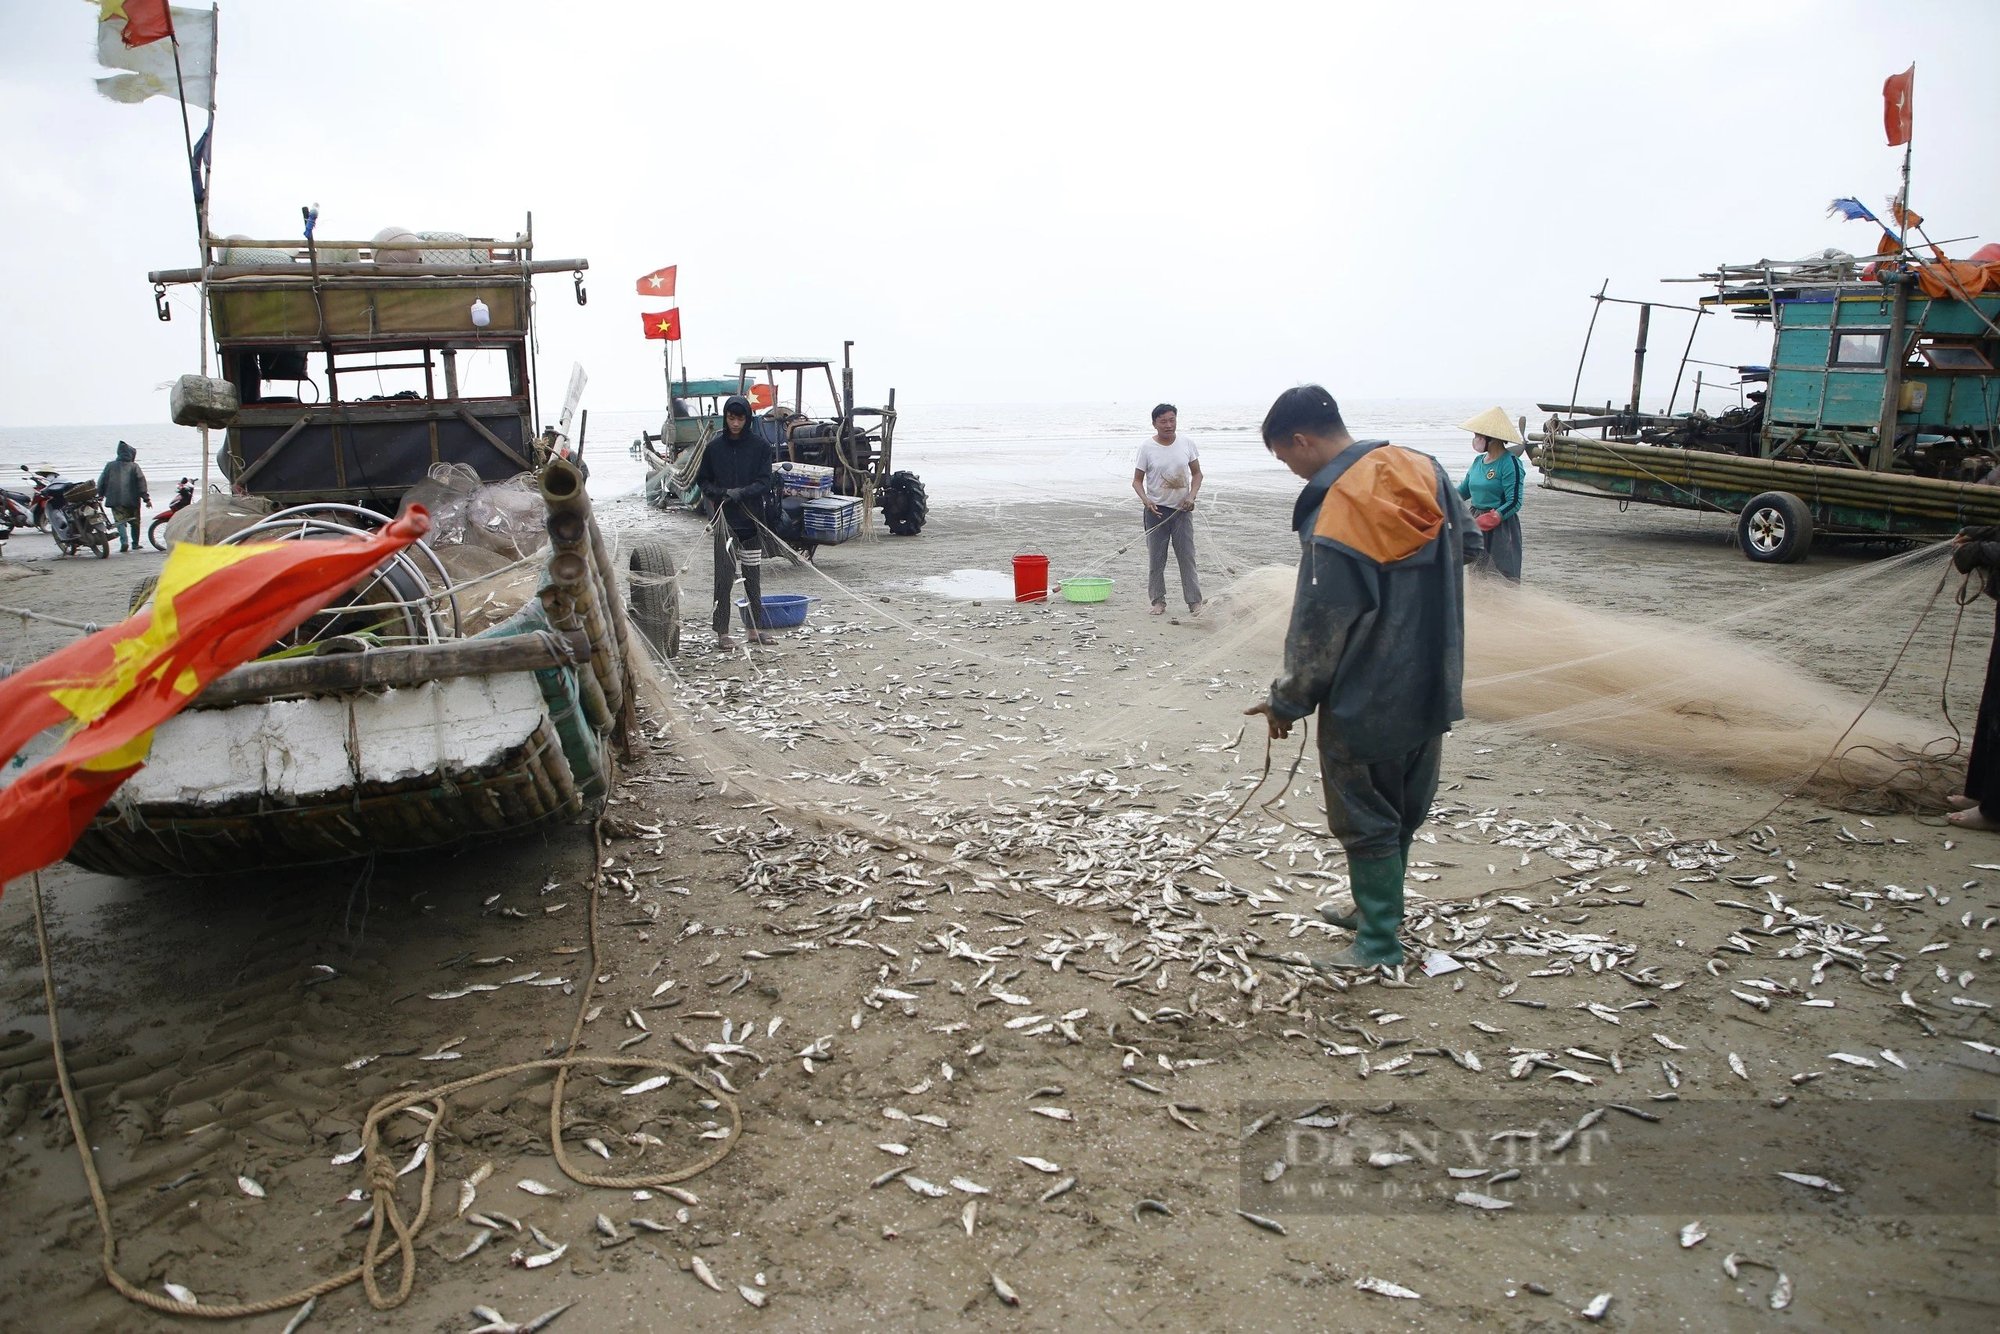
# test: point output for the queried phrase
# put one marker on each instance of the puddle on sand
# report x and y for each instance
(970, 585)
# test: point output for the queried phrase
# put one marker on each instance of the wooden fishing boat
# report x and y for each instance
(394, 721)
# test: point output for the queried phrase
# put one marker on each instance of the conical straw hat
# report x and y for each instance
(1493, 424)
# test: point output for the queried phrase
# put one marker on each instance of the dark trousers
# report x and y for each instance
(1176, 528)
(1982, 767)
(1503, 550)
(732, 549)
(1375, 809)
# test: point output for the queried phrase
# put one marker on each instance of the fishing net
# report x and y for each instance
(1767, 692)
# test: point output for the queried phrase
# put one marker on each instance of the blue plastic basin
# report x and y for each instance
(781, 609)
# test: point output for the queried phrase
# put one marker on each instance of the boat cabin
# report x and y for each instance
(362, 365)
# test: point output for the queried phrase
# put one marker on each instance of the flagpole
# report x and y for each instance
(196, 185)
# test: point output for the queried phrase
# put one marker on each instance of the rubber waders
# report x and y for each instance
(1348, 921)
(1378, 899)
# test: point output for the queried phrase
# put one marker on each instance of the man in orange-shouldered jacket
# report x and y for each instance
(1376, 646)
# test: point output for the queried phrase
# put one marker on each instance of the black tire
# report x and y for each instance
(141, 593)
(41, 520)
(154, 529)
(1776, 528)
(654, 603)
(905, 504)
(102, 546)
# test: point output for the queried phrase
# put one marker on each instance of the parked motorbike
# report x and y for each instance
(76, 517)
(183, 497)
(38, 501)
(17, 510)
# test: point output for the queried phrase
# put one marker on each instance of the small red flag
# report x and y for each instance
(1897, 91)
(215, 607)
(664, 324)
(660, 282)
(145, 20)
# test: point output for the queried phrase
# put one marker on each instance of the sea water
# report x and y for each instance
(966, 454)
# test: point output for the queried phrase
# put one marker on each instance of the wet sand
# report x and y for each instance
(1052, 760)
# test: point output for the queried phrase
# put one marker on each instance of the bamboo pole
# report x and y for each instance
(403, 666)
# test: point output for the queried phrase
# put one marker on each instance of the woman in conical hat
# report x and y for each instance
(1494, 487)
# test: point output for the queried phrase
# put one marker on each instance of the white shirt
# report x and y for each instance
(1166, 467)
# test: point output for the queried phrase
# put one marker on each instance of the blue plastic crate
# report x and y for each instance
(832, 520)
(805, 480)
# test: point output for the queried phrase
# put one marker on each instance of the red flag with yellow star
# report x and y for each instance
(664, 324)
(145, 20)
(215, 608)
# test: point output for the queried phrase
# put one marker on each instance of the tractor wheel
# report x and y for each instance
(655, 601)
(905, 504)
(1775, 529)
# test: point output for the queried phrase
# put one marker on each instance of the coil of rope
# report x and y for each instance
(381, 1171)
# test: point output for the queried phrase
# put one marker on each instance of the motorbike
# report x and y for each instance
(17, 510)
(37, 497)
(183, 497)
(76, 517)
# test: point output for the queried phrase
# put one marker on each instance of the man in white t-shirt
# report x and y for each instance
(1167, 478)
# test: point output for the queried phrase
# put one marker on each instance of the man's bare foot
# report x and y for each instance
(1958, 801)
(1198, 608)
(1159, 609)
(1973, 818)
(724, 643)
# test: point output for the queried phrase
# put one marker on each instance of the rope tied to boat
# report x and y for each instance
(380, 1171)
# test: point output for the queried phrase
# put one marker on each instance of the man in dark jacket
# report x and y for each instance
(122, 487)
(1976, 551)
(1376, 645)
(735, 473)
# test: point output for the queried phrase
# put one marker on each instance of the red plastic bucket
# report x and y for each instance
(1031, 578)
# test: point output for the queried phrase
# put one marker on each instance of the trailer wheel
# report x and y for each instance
(1775, 529)
(655, 602)
(905, 504)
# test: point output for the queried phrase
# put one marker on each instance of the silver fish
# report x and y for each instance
(1475, 1200)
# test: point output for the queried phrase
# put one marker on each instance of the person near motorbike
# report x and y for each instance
(734, 475)
(122, 485)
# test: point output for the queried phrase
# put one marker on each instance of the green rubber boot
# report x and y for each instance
(1378, 897)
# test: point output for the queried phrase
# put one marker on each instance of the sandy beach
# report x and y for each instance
(961, 877)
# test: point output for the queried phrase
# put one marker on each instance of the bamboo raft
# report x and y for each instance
(394, 749)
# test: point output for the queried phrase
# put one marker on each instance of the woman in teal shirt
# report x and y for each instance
(1494, 487)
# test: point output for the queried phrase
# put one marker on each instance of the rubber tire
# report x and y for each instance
(153, 531)
(102, 547)
(905, 504)
(141, 592)
(654, 601)
(1775, 528)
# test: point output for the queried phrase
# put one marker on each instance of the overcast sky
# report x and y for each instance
(1014, 202)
